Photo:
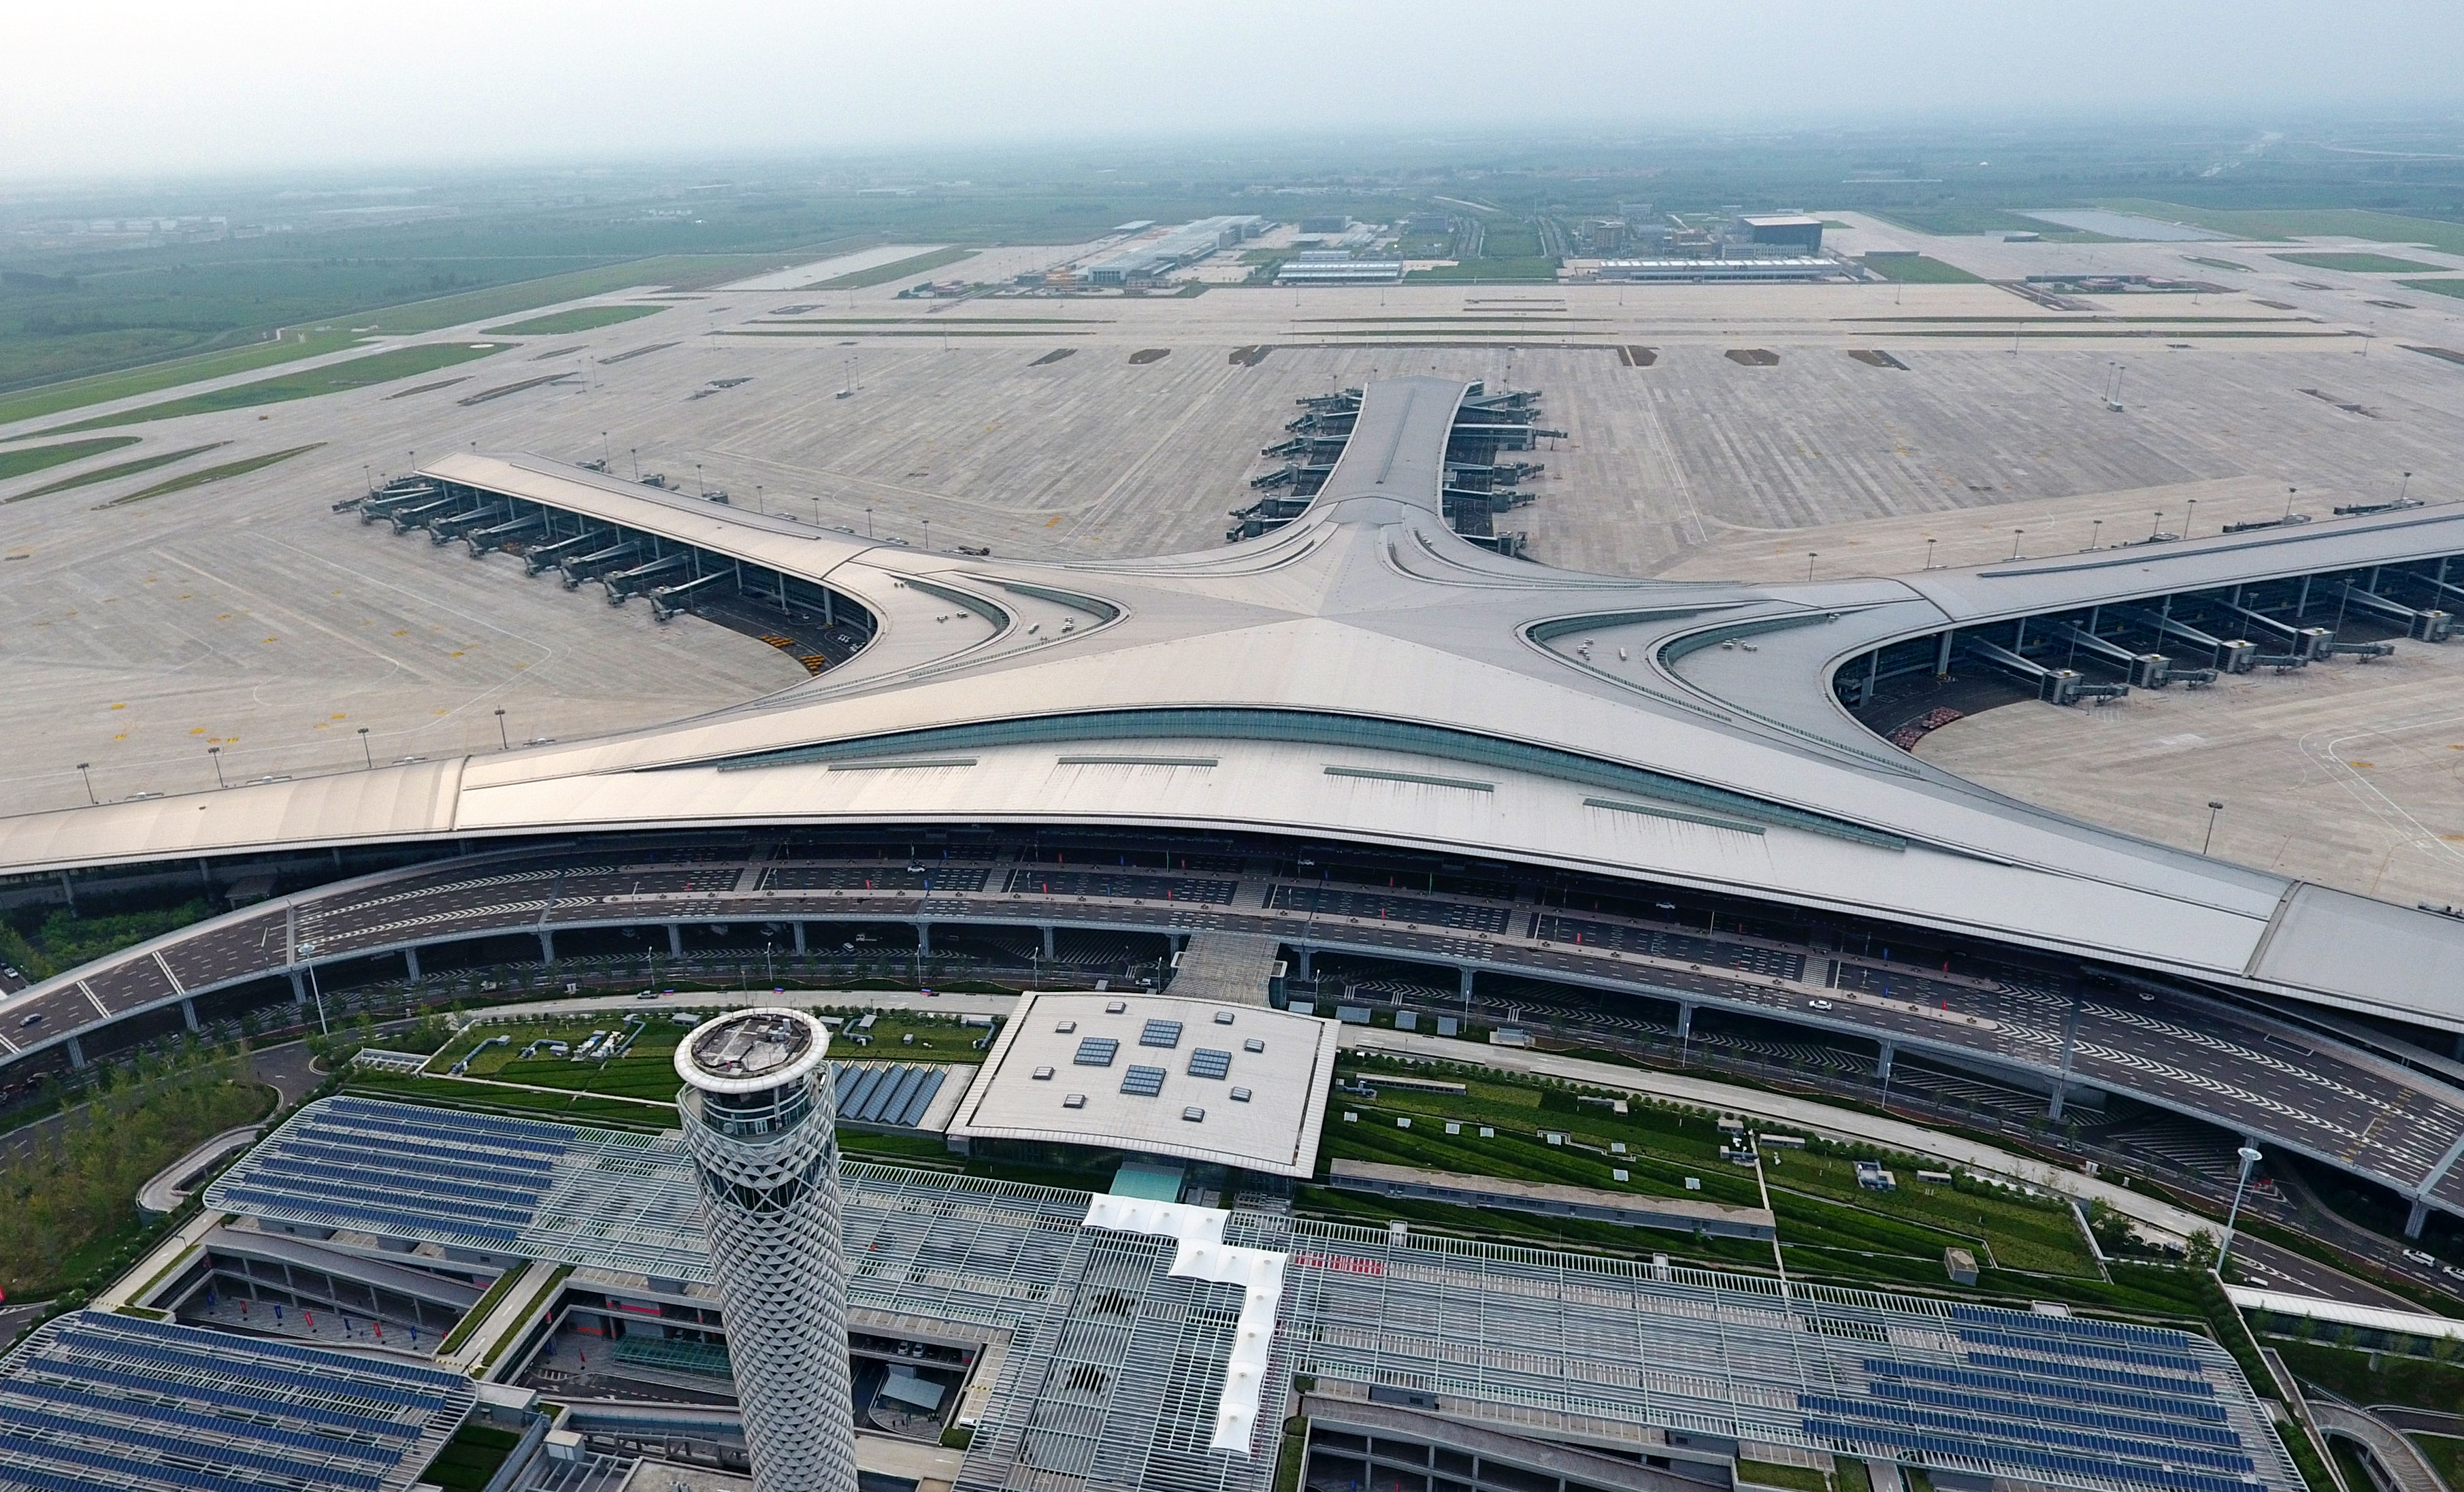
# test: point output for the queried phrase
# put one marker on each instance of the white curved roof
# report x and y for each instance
(1366, 673)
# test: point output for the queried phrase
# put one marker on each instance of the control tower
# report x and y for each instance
(759, 1120)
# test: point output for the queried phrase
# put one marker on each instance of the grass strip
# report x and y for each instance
(228, 469)
(112, 473)
(925, 331)
(2386, 228)
(580, 319)
(39, 458)
(883, 274)
(154, 377)
(382, 367)
(2361, 263)
(678, 270)
(1917, 269)
(1525, 270)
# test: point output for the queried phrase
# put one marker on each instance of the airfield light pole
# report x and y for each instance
(701, 487)
(2095, 531)
(1810, 557)
(503, 741)
(2248, 1157)
(315, 990)
(2157, 527)
(366, 749)
(2288, 500)
(637, 461)
(2016, 535)
(2190, 517)
(1929, 553)
(2214, 807)
(607, 452)
(215, 754)
(2402, 491)
(89, 781)
(868, 524)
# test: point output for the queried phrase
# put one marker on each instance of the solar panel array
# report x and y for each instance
(1096, 1051)
(896, 1094)
(1143, 1081)
(1611, 1343)
(1208, 1062)
(1606, 1344)
(100, 1401)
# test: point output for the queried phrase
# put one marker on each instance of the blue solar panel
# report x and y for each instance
(98, 1401)
(2203, 1408)
(88, 1402)
(22, 1419)
(853, 1087)
(2085, 1373)
(2097, 1351)
(1144, 1081)
(922, 1097)
(1160, 1033)
(2200, 1431)
(2006, 1427)
(254, 1403)
(1208, 1062)
(1096, 1051)
(890, 1097)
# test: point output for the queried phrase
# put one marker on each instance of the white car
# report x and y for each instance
(1817, 1004)
(2419, 1257)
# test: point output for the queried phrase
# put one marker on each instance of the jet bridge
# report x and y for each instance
(454, 525)
(546, 557)
(2428, 626)
(487, 540)
(2227, 655)
(2142, 671)
(586, 567)
(666, 601)
(622, 584)
(2053, 686)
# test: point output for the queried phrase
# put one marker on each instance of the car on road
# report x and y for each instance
(31, 1019)
(2419, 1257)
(1817, 1004)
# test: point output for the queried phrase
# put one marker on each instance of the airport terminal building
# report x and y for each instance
(1361, 749)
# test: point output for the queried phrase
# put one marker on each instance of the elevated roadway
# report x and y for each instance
(2279, 1082)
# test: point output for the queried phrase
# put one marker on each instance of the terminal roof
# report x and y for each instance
(1363, 672)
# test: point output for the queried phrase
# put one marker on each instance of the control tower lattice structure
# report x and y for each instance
(760, 1123)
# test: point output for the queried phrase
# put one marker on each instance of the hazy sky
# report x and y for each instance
(115, 86)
